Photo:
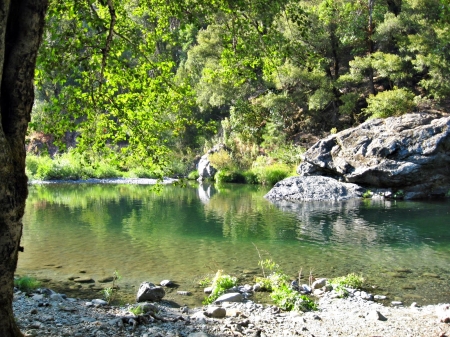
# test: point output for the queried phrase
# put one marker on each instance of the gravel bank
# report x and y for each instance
(51, 314)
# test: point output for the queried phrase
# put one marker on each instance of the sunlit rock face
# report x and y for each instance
(314, 188)
(410, 152)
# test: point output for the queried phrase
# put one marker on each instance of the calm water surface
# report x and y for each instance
(185, 234)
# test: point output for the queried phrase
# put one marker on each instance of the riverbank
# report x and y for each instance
(50, 314)
(132, 181)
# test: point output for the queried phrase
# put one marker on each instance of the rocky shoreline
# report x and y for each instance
(47, 313)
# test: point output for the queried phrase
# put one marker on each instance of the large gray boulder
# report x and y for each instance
(410, 152)
(313, 189)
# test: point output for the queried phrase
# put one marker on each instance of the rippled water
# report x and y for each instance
(184, 234)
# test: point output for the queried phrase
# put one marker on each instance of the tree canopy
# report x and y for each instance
(137, 79)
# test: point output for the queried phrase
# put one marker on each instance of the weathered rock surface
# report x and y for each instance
(313, 188)
(204, 167)
(149, 292)
(410, 152)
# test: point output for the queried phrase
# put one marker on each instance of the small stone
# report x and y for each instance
(166, 283)
(396, 303)
(198, 334)
(256, 287)
(380, 297)
(106, 279)
(215, 312)
(183, 293)
(376, 316)
(38, 297)
(319, 283)
(84, 279)
(99, 302)
(149, 292)
(56, 297)
(230, 297)
(208, 290)
(318, 292)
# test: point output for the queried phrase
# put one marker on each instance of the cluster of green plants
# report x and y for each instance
(26, 283)
(278, 283)
(367, 194)
(263, 170)
(340, 284)
(72, 166)
(220, 284)
(110, 293)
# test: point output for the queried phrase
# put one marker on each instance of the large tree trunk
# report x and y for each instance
(21, 27)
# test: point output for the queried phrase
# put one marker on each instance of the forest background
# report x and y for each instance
(143, 88)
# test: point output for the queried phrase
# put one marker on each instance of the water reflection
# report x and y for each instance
(185, 233)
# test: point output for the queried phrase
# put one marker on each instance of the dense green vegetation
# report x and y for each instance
(144, 86)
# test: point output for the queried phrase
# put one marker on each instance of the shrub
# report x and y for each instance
(272, 174)
(193, 175)
(221, 283)
(282, 295)
(289, 299)
(221, 160)
(26, 283)
(225, 176)
(250, 177)
(287, 154)
(352, 281)
(389, 103)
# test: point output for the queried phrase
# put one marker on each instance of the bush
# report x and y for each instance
(193, 175)
(225, 176)
(250, 177)
(221, 283)
(272, 174)
(352, 281)
(221, 160)
(26, 283)
(389, 103)
(281, 293)
(289, 299)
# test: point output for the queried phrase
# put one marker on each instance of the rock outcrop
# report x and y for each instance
(407, 156)
(410, 152)
(204, 167)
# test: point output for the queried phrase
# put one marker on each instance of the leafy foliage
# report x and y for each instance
(352, 281)
(220, 284)
(135, 81)
(390, 103)
(277, 282)
(26, 283)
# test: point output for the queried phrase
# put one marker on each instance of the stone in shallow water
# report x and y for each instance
(231, 297)
(106, 279)
(84, 279)
(149, 292)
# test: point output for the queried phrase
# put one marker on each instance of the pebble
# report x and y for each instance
(352, 316)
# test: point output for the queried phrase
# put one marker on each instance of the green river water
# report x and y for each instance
(402, 248)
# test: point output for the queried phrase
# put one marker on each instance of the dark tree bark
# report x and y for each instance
(21, 27)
